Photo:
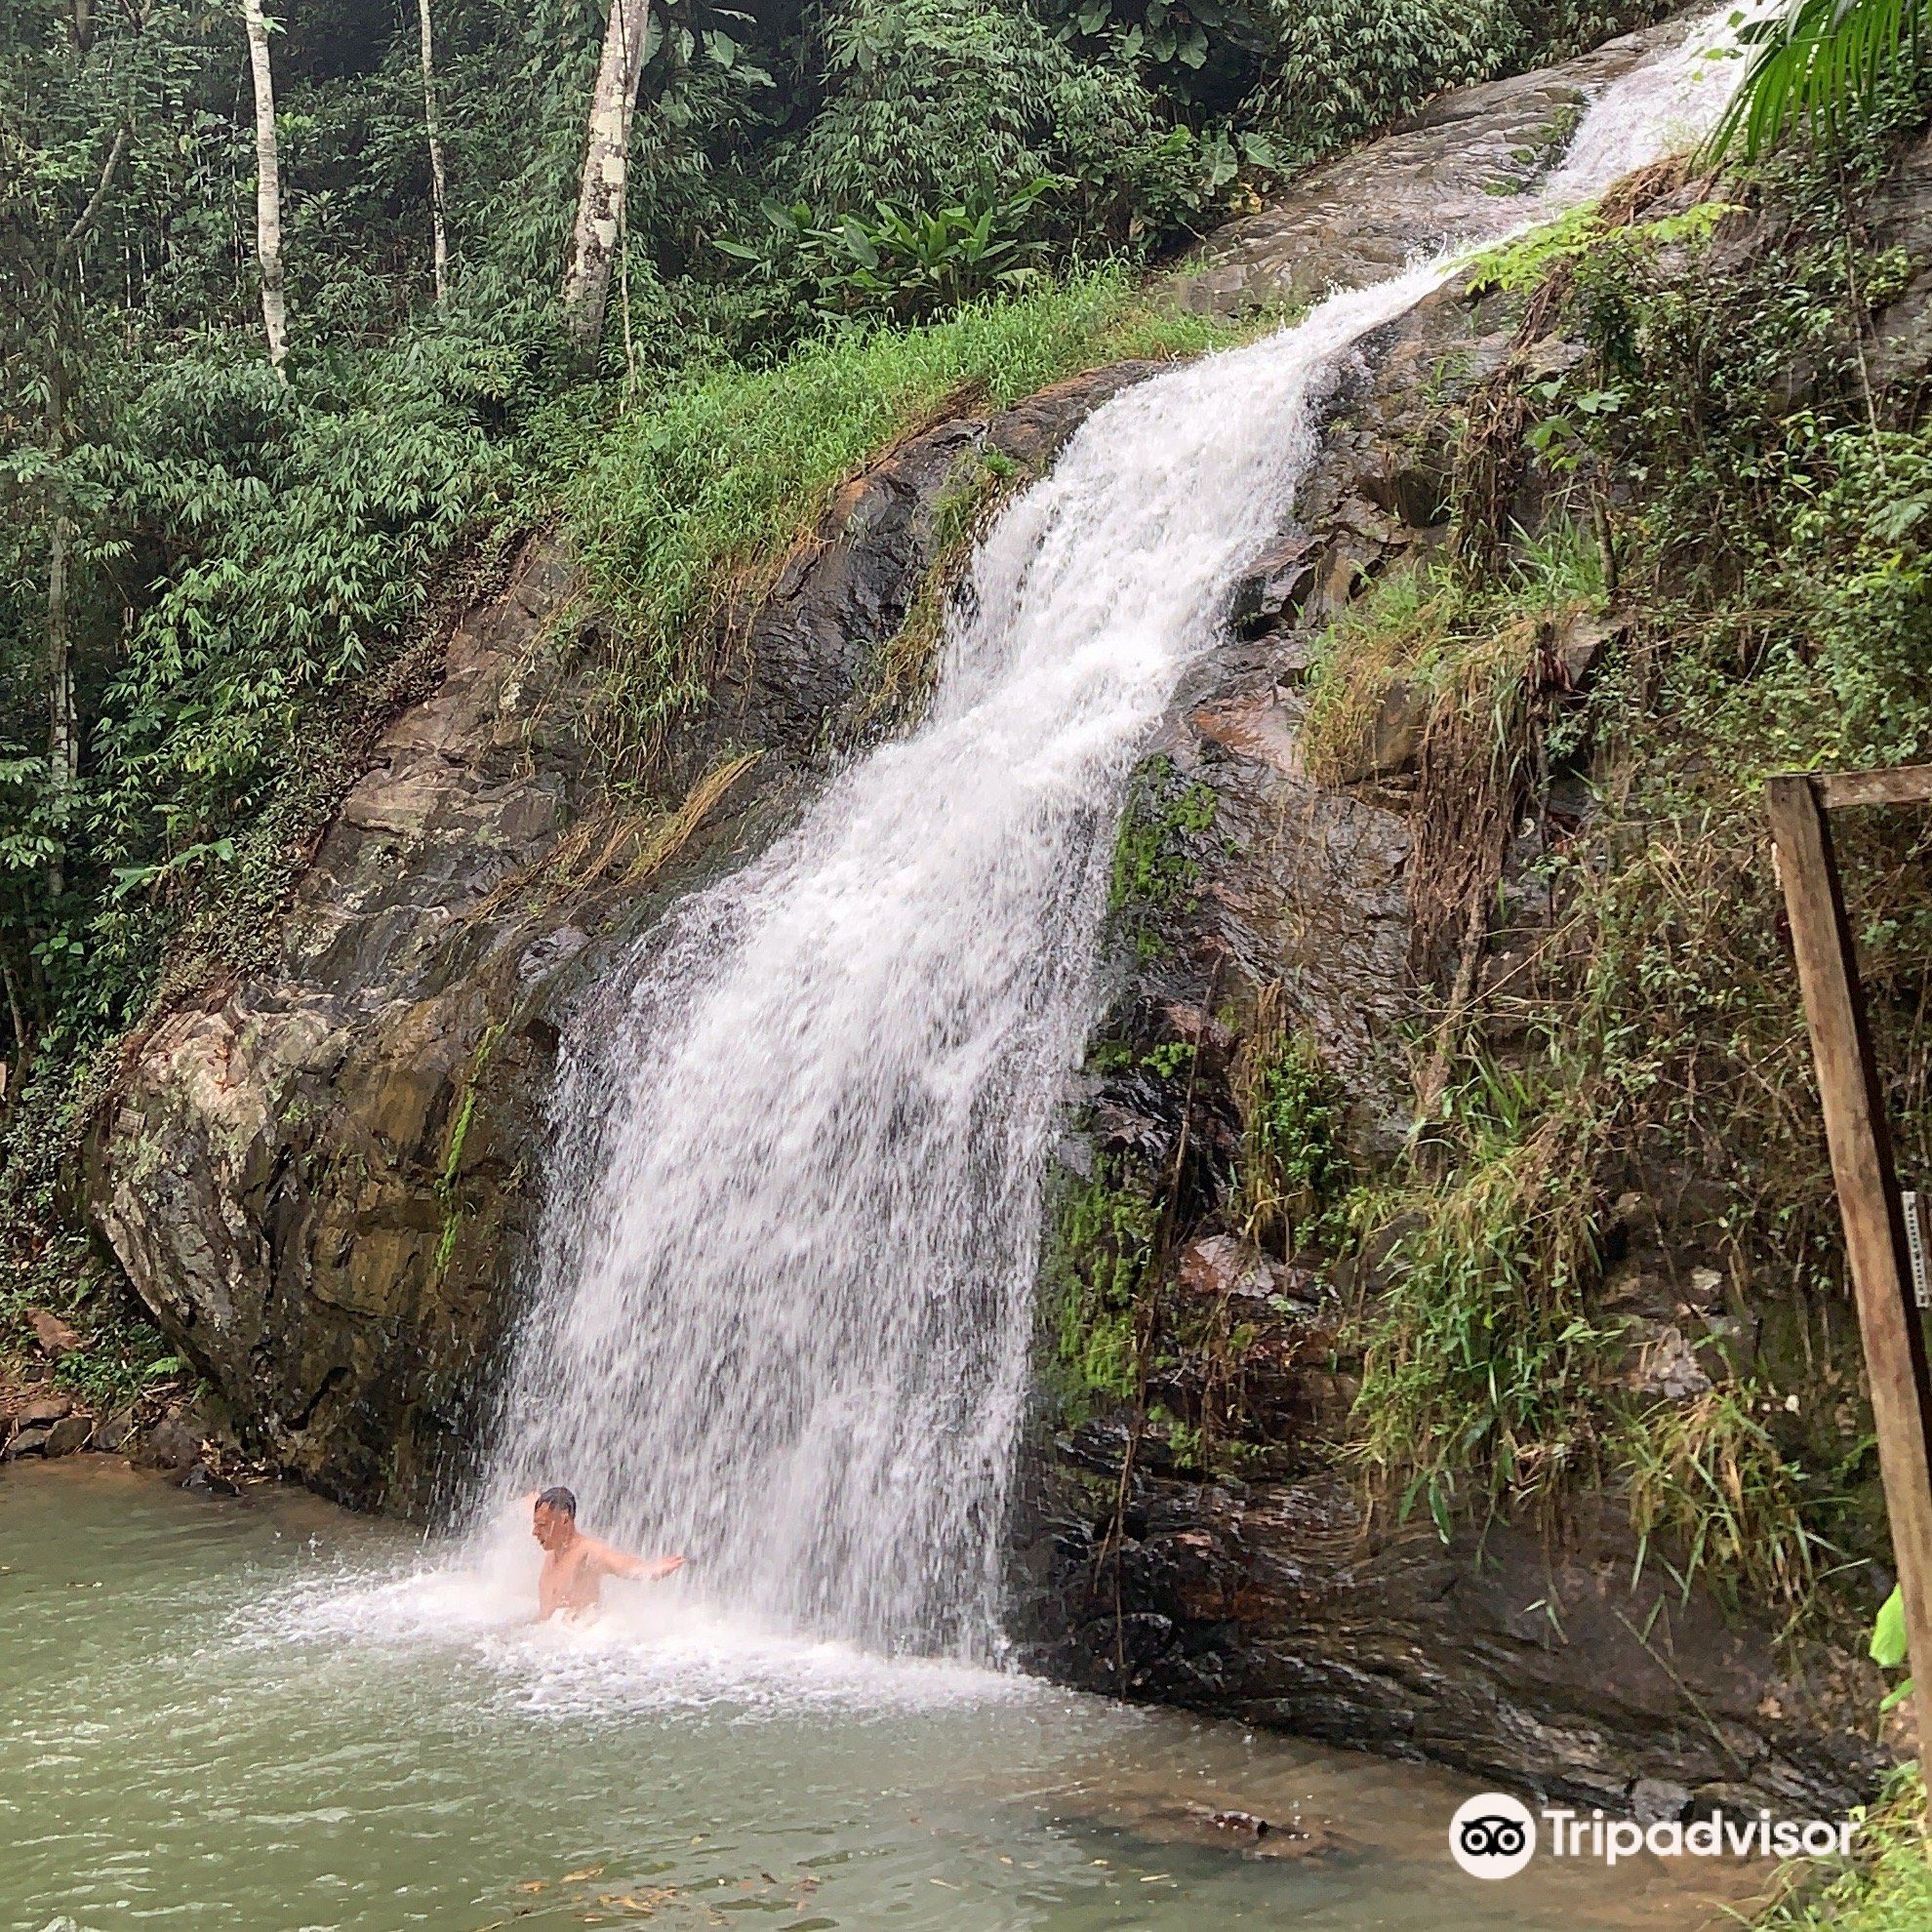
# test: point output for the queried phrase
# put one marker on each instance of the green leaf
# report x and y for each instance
(1888, 1633)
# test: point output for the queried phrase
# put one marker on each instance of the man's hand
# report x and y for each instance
(663, 1567)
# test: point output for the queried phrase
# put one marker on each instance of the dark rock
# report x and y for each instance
(1243, 1823)
(1581, 646)
(1666, 1368)
(69, 1433)
(1733, 1800)
(30, 1441)
(1282, 1603)
(1653, 1802)
(111, 1435)
(1295, 1841)
(1221, 1264)
(172, 1443)
(201, 1480)
(43, 1409)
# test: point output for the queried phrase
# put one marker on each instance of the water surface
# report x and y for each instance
(266, 1714)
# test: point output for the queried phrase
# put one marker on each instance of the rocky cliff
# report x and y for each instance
(321, 1179)
(1263, 899)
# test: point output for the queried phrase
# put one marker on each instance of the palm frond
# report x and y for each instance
(1816, 69)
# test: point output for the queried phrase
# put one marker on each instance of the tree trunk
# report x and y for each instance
(62, 751)
(600, 209)
(433, 130)
(62, 731)
(267, 185)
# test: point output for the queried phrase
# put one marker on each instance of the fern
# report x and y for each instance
(1819, 69)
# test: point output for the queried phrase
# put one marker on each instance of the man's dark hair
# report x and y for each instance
(560, 1498)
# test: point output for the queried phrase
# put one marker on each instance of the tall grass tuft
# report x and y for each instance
(707, 489)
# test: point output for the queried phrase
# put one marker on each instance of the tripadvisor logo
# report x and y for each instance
(1494, 1836)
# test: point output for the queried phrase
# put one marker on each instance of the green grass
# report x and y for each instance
(1887, 1886)
(1154, 872)
(1294, 1166)
(1481, 1368)
(718, 478)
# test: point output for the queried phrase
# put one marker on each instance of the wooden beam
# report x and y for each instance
(1873, 1217)
(1901, 784)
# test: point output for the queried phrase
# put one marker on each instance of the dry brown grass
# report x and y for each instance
(613, 847)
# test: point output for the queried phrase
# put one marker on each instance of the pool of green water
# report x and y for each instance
(263, 1714)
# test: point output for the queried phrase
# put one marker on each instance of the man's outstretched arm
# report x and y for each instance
(619, 1564)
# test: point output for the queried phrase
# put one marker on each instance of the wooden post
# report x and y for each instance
(1869, 1203)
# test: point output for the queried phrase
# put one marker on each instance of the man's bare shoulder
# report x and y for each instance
(606, 1556)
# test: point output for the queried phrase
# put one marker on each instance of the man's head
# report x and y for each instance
(553, 1518)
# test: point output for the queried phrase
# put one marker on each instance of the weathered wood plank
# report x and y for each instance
(1860, 1137)
(1901, 785)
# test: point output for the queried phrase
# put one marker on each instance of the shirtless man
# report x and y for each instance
(575, 1565)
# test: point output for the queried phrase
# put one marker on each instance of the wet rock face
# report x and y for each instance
(323, 1180)
(1279, 1603)
(1306, 883)
(1348, 224)
(1268, 1594)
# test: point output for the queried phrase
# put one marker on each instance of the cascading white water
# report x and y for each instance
(783, 1309)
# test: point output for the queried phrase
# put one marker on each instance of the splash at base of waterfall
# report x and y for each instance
(652, 1649)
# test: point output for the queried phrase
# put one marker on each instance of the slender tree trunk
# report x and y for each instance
(600, 205)
(63, 759)
(267, 186)
(433, 128)
(17, 1020)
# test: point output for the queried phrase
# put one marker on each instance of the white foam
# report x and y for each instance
(651, 1649)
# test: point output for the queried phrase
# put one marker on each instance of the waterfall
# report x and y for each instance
(783, 1309)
